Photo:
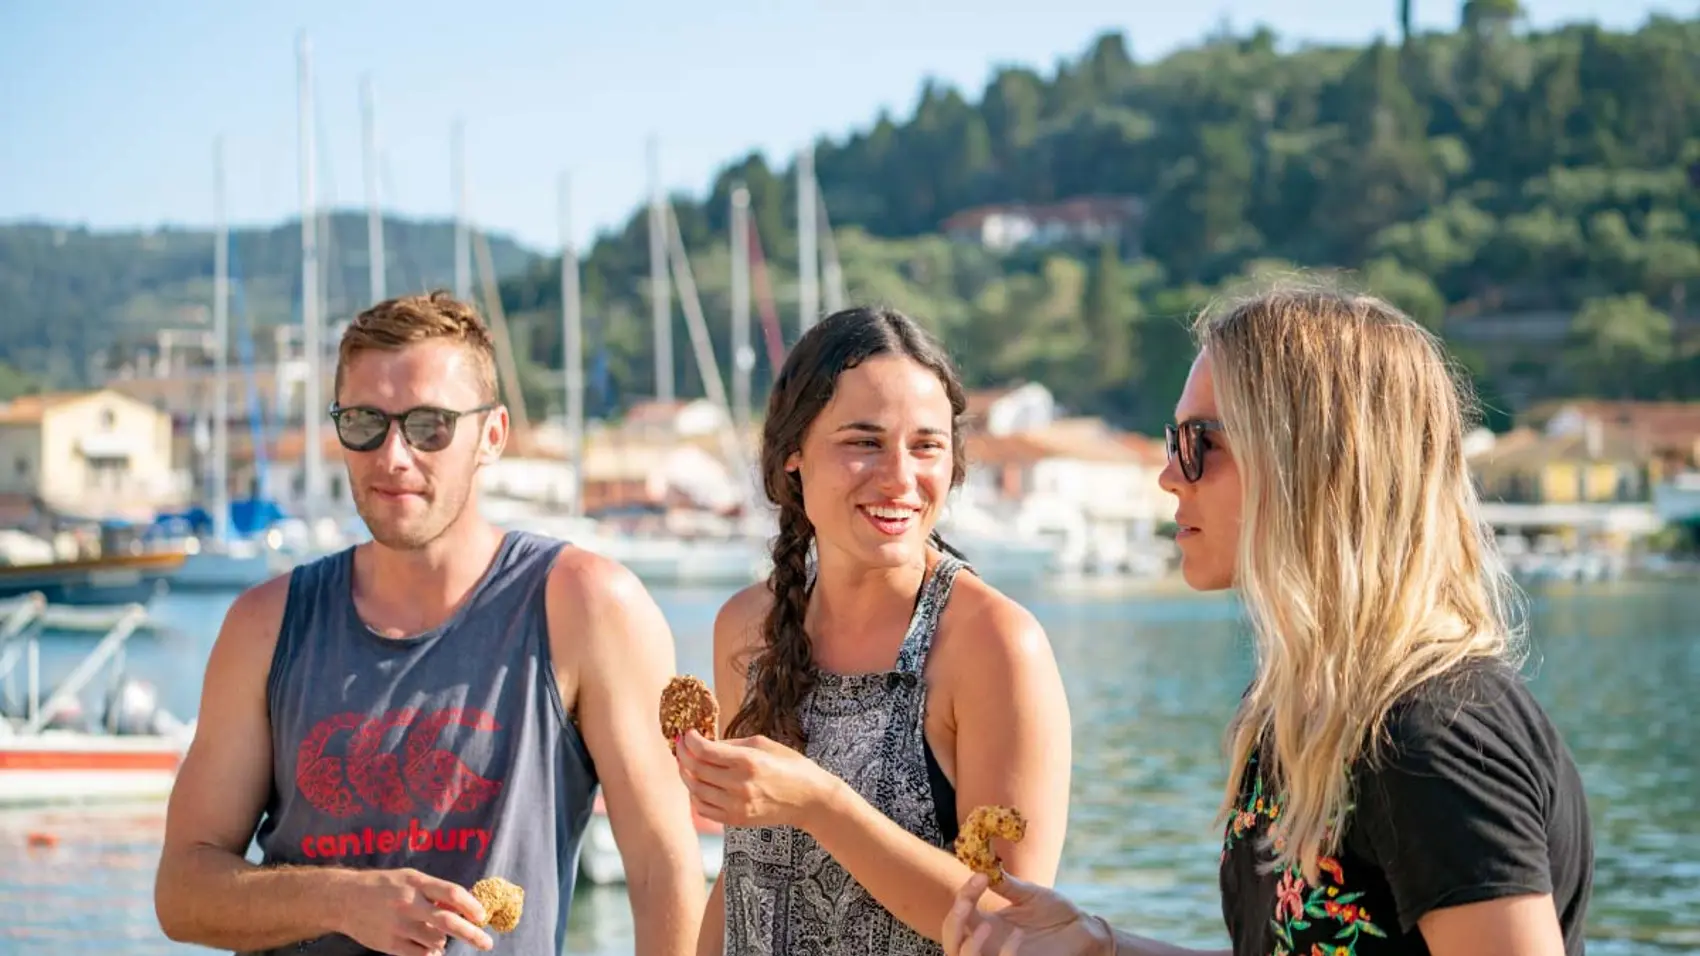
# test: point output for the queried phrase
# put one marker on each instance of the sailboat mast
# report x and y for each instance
(311, 321)
(572, 348)
(221, 349)
(763, 290)
(808, 259)
(660, 293)
(507, 363)
(731, 446)
(743, 356)
(463, 237)
(832, 272)
(374, 208)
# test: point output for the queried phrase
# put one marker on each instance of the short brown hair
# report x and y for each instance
(395, 324)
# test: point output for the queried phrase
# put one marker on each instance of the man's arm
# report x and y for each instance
(617, 649)
(206, 892)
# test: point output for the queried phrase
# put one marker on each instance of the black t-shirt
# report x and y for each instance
(1475, 797)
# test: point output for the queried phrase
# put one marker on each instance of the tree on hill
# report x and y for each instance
(1456, 181)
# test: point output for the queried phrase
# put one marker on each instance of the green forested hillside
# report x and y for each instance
(1469, 175)
(78, 301)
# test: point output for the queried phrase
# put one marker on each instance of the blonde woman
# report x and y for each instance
(1394, 787)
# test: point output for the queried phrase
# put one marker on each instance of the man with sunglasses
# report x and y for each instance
(394, 722)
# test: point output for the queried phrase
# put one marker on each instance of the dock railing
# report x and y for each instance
(20, 638)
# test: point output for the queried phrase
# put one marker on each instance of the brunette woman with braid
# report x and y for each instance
(874, 689)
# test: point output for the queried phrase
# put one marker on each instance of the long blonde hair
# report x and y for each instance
(1363, 561)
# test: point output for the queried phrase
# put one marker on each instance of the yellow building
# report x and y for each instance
(1590, 452)
(88, 453)
(1596, 466)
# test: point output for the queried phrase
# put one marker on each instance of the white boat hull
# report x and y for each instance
(227, 570)
(654, 559)
(57, 767)
(77, 619)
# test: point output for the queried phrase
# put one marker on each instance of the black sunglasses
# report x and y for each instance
(426, 428)
(1187, 444)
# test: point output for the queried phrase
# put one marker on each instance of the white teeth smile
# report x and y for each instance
(890, 514)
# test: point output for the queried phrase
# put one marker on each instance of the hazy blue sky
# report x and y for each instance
(111, 109)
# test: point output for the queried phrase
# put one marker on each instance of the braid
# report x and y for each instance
(781, 669)
(940, 543)
(784, 667)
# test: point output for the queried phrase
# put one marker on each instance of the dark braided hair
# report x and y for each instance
(784, 663)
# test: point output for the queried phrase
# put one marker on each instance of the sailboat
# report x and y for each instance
(709, 559)
(215, 558)
(323, 524)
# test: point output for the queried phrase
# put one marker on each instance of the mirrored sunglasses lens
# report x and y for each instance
(361, 428)
(428, 429)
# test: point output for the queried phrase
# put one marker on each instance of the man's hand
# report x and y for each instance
(407, 913)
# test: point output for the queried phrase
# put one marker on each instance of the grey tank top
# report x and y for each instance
(448, 751)
(784, 894)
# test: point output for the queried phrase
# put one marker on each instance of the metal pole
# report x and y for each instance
(660, 292)
(221, 348)
(463, 238)
(311, 321)
(808, 259)
(743, 356)
(572, 347)
(374, 205)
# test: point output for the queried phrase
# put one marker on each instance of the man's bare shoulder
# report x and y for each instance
(255, 618)
(592, 582)
(600, 613)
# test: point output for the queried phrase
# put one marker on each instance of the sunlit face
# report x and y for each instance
(1208, 514)
(876, 462)
(406, 496)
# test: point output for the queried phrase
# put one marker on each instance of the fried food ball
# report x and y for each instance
(687, 702)
(974, 842)
(503, 902)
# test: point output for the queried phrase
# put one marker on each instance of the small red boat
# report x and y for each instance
(50, 752)
(69, 766)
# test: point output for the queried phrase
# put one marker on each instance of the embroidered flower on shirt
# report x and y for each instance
(1299, 907)
(1297, 910)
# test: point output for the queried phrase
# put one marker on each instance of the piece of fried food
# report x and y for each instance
(503, 903)
(974, 843)
(687, 702)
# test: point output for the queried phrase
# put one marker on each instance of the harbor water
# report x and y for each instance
(1151, 678)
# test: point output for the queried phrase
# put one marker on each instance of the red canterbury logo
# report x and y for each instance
(423, 776)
